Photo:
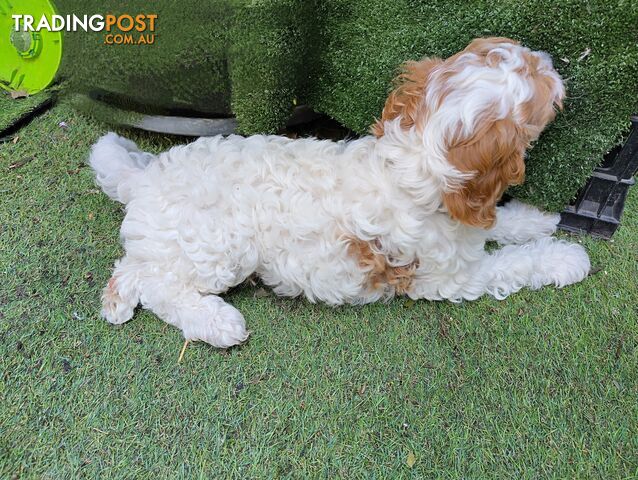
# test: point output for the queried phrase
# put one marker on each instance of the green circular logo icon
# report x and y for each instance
(29, 60)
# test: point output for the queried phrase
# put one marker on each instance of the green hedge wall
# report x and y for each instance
(273, 58)
(260, 58)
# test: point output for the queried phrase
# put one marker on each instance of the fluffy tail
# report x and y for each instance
(117, 160)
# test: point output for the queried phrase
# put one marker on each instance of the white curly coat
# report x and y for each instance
(203, 217)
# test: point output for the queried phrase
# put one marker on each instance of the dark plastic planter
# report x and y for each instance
(600, 203)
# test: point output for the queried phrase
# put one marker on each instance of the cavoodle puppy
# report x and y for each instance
(405, 211)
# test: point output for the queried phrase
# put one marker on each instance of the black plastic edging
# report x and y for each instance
(600, 203)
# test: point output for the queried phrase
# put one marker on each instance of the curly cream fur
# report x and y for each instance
(337, 222)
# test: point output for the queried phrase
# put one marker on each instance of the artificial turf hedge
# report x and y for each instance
(257, 59)
(187, 65)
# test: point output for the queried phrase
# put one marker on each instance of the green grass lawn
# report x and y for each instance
(541, 385)
(12, 110)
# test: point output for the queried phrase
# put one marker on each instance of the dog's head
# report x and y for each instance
(480, 109)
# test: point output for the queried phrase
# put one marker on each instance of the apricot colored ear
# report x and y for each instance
(495, 155)
(406, 99)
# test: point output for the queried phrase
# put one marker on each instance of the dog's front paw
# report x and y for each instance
(562, 263)
(574, 265)
(216, 323)
(518, 223)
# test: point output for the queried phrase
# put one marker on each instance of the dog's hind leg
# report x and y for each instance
(199, 316)
(204, 317)
(121, 294)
